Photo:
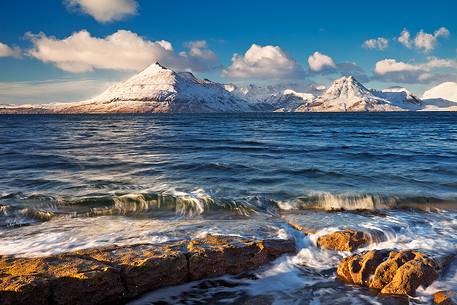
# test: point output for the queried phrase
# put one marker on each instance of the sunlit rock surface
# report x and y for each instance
(113, 275)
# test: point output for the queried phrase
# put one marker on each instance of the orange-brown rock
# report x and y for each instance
(392, 272)
(304, 229)
(444, 297)
(145, 267)
(420, 271)
(347, 240)
(357, 269)
(231, 255)
(113, 275)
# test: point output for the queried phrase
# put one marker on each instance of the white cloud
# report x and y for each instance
(122, 50)
(50, 91)
(263, 62)
(432, 70)
(7, 51)
(199, 49)
(379, 43)
(318, 62)
(391, 65)
(405, 39)
(423, 41)
(104, 10)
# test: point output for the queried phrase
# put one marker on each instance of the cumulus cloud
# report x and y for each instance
(323, 64)
(405, 39)
(263, 62)
(423, 41)
(318, 62)
(433, 69)
(379, 43)
(7, 51)
(104, 10)
(122, 50)
(51, 90)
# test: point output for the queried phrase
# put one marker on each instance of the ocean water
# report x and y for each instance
(76, 181)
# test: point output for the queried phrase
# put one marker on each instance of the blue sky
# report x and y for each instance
(287, 34)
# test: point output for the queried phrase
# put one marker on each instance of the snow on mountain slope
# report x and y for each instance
(438, 104)
(155, 89)
(347, 94)
(400, 97)
(446, 91)
(441, 98)
(158, 89)
(271, 98)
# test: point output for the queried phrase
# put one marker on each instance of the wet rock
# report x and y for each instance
(66, 279)
(350, 240)
(347, 240)
(217, 255)
(116, 274)
(358, 269)
(399, 273)
(144, 267)
(445, 297)
(23, 290)
(299, 227)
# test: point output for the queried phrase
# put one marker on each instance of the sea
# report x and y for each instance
(71, 182)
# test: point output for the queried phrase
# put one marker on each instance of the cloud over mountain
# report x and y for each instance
(104, 10)
(122, 50)
(262, 62)
(434, 69)
(318, 62)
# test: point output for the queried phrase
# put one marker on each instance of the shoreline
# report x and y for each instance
(117, 274)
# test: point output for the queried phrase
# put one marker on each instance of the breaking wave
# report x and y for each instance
(19, 209)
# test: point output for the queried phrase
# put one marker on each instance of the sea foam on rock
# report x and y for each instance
(116, 274)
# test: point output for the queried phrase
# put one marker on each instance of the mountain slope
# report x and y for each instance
(347, 94)
(445, 91)
(278, 97)
(400, 97)
(155, 89)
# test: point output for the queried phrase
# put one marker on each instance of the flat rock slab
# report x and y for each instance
(391, 272)
(116, 274)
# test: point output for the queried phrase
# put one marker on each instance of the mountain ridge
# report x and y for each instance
(159, 89)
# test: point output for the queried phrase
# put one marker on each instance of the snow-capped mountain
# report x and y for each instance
(155, 89)
(442, 97)
(347, 94)
(158, 89)
(280, 97)
(445, 91)
(400, 97)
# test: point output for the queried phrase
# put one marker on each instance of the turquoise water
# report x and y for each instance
(76, 181)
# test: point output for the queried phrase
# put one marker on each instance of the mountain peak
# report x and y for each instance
(153, 68)
(347, 86)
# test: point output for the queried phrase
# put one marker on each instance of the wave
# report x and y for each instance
(360, 202)
(20, 209)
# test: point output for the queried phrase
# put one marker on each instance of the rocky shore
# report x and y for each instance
(114, 275)
(389, 271)
(117, 274)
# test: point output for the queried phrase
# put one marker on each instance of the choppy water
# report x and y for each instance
(78, 181)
